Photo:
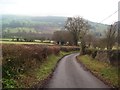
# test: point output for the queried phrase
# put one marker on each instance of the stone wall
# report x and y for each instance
(102, 56)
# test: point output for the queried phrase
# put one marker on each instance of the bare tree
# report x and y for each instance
(62, 37)
(101, 43)
(110, 36)
(90, 40)
(78, 27)
(110, 39)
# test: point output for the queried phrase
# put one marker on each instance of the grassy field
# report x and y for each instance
(9, 41)
(14, 42)
(103, 70)
(5, 39)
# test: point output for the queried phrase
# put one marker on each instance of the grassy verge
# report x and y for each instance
(104, 71)
(36, 77)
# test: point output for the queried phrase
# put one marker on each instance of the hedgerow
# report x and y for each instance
(19, 59)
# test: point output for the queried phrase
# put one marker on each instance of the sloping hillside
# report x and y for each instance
(46, 24)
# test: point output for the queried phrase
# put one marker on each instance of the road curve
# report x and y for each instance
(70, 74)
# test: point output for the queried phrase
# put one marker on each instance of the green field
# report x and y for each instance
(12, 42)
(9, 41)
(5, 39)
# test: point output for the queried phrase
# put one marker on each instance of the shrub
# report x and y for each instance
(18, 59)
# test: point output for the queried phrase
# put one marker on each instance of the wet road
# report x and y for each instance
(70, 74)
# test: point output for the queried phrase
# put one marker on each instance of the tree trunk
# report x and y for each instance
(83, 47)
(75, 40)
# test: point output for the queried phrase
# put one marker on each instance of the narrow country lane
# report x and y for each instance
(70, 74)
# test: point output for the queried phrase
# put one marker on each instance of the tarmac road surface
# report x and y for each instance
(70, 74)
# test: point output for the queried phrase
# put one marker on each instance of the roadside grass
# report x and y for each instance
(36, 77)
(47, 67)
(105, 71)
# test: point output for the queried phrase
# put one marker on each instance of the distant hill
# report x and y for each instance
(98, 28)
(47, 24)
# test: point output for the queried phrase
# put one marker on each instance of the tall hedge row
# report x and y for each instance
(18, 59)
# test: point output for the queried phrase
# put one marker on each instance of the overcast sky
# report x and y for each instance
(94, 10)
